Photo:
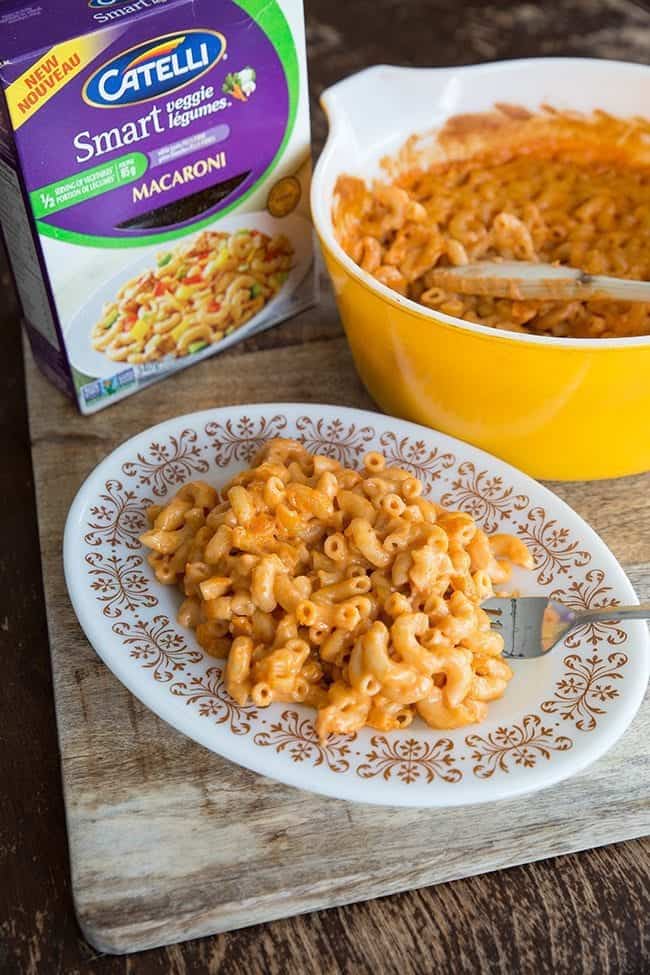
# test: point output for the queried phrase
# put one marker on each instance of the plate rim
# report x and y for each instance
(294, 776)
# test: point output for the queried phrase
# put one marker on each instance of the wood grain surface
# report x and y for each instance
(580, 913)
(169, 841)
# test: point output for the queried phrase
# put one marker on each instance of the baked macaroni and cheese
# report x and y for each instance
(556, 188)
(344, 590)
(197, 294)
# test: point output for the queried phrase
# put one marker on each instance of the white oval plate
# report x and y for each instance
(559, 713)
(89, 361)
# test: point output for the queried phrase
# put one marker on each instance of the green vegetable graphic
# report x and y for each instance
(240, 84)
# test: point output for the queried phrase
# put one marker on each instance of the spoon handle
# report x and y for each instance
(522, 280)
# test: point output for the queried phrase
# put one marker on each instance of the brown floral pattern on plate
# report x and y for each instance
(209, 694)
(119, 584)
(554, 550)
(410, 759)
(165, 465)
(521, 744)
(238, 441)
(333, 438)
(584, 691)
(118, 517)
(484, 496)
(297, 736)
(591, 593)
(416, 457)
(157, 646)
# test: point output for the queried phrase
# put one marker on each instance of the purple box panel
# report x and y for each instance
(51, 363)
(140, 132)
(28, 28)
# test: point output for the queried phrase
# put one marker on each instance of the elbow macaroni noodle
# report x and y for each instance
(346, 591)
(567, 194)
(198, 293)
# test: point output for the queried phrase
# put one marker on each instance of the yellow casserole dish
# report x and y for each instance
(556, 408)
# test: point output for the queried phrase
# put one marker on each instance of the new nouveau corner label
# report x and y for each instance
(154, 68)
(49, 74)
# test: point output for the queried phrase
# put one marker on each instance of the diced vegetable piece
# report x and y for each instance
(178, 331)
(255, 290)
(111, 318)
(140, 329)
(222, 258)
(185, 291)
(164, 259)
(196, 347)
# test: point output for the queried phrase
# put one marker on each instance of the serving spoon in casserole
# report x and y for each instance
(522, 280)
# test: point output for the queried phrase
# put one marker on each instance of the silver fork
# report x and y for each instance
(533, 625)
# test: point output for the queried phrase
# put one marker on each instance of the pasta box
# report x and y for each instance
(154, 182)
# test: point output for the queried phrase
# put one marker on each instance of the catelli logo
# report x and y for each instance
(154, 68)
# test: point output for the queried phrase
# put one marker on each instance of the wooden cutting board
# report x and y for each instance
(167, 840)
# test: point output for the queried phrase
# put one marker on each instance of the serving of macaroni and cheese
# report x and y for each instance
(344, 590)
(199, 292)
(549, 188)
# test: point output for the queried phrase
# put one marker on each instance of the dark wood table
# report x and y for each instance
(585, 913)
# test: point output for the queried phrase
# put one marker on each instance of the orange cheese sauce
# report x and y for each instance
(544, 188)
